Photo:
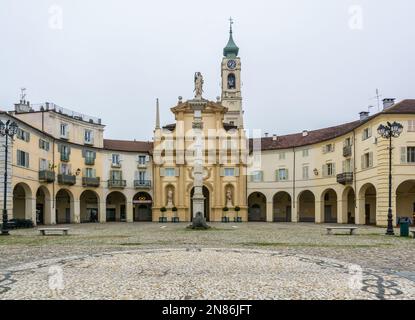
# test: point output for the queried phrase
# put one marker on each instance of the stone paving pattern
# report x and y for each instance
(252, 261)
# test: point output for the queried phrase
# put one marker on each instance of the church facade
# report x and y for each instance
(62, 170)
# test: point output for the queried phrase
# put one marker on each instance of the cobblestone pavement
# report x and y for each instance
(251, 261)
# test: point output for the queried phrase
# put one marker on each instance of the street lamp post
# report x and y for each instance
(389, 131)
(8, 129)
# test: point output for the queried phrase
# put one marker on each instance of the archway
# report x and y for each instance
(257, 207)
(89, 202)
(206, 194)
(349, 205)
(43, 206)
(143, 204)
(64, 206)
(368, 204)
(22, 201)
(329, 206)
(405, 200)
(116, 207)
(282, 207)
(306, 207)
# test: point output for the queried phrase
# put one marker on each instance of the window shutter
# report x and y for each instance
(334, 169)
(27, 160)
(324, 149)
(27, 136)
(94, 173)
(371, 159)
(277, 176)
(69, 150)
(261, 175)
(369, 132)
(403, 155)
(40, 143)
(363, 162)
(324, 170)
(177, 172)
(162, 172)
(236, 172)
(19, 158)
(83, 153)
(363, 135)
(333, 146)
(147, 158)
(286, 174)
(222, 172)
(344, 166)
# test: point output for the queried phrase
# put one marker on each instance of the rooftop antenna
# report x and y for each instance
(377, 97)
(22, 94)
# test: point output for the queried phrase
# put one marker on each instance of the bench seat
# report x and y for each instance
(63, 231)
(351, 229)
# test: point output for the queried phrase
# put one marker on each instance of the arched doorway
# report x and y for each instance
(43, 206)
(257, 207)
(368, 210)
(329, 206)
(206, 194)
(22, 202)
(64, 206)
(405, 200)
(349, 205)
(282, 207)
(89, 201)
(143, 204)
(306, 206)
(116, 207)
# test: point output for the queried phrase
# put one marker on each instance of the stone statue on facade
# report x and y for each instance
(170, 195)
(229, 203)
(198, 85)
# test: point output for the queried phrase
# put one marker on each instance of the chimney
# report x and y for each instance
(266, 134)
(305, 133)
(363, 115)
(274, 137)
(388, 102)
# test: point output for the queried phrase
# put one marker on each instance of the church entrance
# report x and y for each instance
(207, 205)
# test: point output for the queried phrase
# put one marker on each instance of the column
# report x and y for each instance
(319, 212)
(129, 211)
(49, 214)
(341, 211)
(270, 215)
(31, 209)
(294, 210)
(360, 211)
(76, 211)
(102, 212)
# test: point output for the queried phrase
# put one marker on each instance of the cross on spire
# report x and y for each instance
(231, 23)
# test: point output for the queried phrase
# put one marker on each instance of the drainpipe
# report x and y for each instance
(294, 177)
(354, 171)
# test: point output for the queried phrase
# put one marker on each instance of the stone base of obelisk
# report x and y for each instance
(199, 221)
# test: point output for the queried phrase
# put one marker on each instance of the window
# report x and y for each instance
(411, 125)
(142, 160)
(256, 176)
(22, 159)
(229, 172)
(65, 169)
(23, 135)
(142, 175)
(64, 131)
(231, 81)
(232, 123)
(281, 155)
(367, 160)
(305, 153)
(116, 175)
(306, 170)
(282, 174)
(329, 170)
(328, 148)
(89, 157)
(170, 172)
(43, 164)
(348, 142)
(408, 154)
(65, 152)
(116, 159)
(347, 166)
(88, 136)
(367, 133)
(90, 173)
(44, 145)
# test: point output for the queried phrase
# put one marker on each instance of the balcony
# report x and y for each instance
(347, 151)
(117, 183)
(46, 176)
(345, 178)
(90, 182)
(66, 179)
(89, 161)
(142, 165)
(142, 184)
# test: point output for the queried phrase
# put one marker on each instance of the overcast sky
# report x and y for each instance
(305, 64)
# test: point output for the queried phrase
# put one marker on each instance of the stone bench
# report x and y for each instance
(350, 229)
(44, 231)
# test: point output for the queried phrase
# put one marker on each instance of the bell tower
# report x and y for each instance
(231, 82)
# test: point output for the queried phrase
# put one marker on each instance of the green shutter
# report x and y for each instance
(371, 159)
(404, 156)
